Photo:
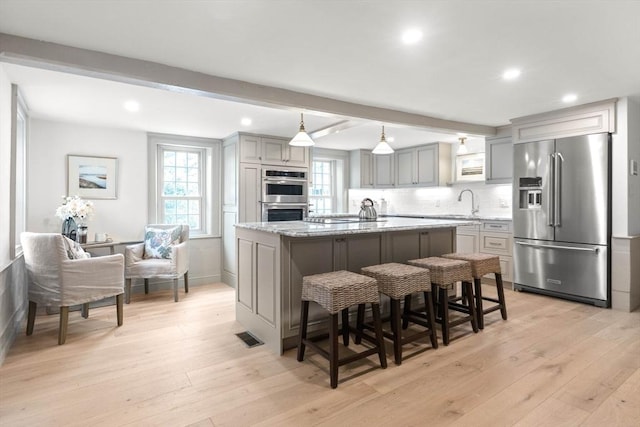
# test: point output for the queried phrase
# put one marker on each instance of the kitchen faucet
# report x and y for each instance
(474, 210)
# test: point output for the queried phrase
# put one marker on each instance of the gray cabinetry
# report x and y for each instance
(249, 209)
(368, 170)
(489, 237)
(360, 169)
(424, 166)
(272, 151)
(498, 160)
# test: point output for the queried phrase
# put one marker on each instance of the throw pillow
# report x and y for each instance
(158, 241)
(74, 250)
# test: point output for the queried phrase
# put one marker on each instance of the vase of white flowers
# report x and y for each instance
(74, 212)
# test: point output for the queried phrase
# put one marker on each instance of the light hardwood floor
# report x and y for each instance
(552, 363)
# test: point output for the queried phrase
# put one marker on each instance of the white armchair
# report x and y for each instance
(56, 279)
(165, 262)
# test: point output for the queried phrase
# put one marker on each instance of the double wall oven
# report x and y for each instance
(284, 194)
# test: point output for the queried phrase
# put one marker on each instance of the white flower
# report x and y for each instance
(75, 207)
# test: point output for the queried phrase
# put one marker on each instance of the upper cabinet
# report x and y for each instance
(423, 166)
(368, 170)
(498, 160)
(272, 151)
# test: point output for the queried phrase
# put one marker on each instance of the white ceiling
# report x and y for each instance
(344, 50)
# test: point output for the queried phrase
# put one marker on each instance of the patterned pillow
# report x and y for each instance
(74, 250)
(158, 241)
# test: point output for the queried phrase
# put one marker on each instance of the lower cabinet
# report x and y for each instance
(490, 237)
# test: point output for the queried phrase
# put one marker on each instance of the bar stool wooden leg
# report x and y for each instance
(443, 298)
(359, 323)
(397, 330)
(377, 324)
(333, 349)
(478, 296)
(345, 326)
(407, 309)
(302, 333)
(472, 310)
(428, 305)
(503, 305)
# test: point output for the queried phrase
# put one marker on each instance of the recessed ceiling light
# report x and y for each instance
(132, 106)
(569, 97)
(246, 121)
(511, 74)
(411, 36)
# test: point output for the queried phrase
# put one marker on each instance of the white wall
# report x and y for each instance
(51, 142)
(633, 142)
(124, 218)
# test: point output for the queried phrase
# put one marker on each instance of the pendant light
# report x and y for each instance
(462, 149)
(302, 139)
(383, 146)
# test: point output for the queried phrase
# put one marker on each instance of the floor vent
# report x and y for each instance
(249, 340)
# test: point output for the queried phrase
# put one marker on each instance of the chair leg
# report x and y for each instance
(500, 288)
(302, 332)
(397, 330)
(64, 321)
(333, 349)
(146, 286)
(345, 327)
(127, 290)
(85, 310)
(472, 310)
(360, 323)
(443, 303)
(477, 283)
(31, 317)
(175, 290)
(407, 309)
(428, 305)
(119, 308)
(186, 282)
(377, 324)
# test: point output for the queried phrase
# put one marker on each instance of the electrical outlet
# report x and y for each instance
(503, 203)
(437, 203)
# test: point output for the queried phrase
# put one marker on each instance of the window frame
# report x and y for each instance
(332, 186)
(18, 172)
(340, 177)
(210, 175)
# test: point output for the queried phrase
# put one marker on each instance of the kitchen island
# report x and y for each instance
(274, 256)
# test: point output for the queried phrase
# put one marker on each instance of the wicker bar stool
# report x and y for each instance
(398, 282)
(336, 292)
(444, 275)
(482, 264)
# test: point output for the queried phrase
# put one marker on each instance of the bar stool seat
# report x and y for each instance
(444, 275)
(336, 292)
(481, 265)
(398, 282)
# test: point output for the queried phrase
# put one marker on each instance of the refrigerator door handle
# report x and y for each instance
(557, 189)
(571, 248)
(552, 180)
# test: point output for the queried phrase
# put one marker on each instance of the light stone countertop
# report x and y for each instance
(385, 224)
(421, 215)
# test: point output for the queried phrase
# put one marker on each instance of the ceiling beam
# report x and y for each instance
(57, 57)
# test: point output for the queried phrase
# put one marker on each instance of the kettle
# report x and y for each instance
(367, 211)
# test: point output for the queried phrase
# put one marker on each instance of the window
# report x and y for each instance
(182, 192)
(185, 180)
(18, 171)
(322, 194)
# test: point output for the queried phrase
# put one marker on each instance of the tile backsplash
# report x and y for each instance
(492, 199)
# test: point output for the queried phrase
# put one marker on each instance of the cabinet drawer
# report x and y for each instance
(496, 243)
(467, 229)
(504, 227)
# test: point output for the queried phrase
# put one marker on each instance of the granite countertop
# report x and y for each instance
(385, 224)
(451, 216)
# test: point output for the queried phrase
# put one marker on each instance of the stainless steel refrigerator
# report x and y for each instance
(562, 218)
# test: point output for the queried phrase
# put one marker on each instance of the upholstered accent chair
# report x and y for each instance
(164, 254)
(61, 275)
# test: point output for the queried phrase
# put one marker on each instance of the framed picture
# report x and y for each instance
(470, 167)
(92, 177)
